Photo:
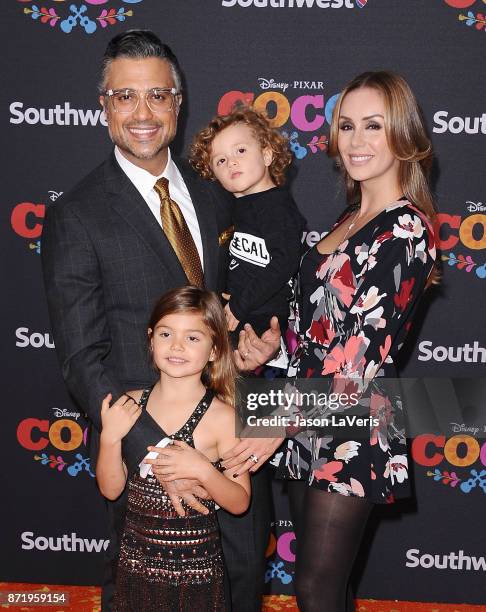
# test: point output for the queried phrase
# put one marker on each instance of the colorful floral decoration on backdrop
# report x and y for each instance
(473, 18)
(88, 15)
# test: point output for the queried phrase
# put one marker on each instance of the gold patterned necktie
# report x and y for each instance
(178, 234)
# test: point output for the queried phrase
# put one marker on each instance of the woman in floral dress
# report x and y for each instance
(358, 290)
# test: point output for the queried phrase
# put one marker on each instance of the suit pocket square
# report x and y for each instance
(226, 235)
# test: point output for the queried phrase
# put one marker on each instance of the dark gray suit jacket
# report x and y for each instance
(106, 261)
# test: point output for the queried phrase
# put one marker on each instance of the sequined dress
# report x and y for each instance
(168, 563)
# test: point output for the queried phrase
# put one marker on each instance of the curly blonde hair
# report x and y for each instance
(268, 137)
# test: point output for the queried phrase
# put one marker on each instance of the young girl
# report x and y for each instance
(169, 562)
(249, 158)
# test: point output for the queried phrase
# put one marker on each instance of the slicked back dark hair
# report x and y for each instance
(139, 44)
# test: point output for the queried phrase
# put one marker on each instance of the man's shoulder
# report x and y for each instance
(188, 173)
(184, 166)
(210, 192)
(88, 191)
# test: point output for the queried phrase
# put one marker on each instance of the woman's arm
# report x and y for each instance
(229, 490)
(232, 494)
(111, 472)
(179, 460)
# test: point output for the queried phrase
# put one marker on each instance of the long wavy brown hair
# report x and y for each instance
(268, 137)
(407, 138)
(220, 375)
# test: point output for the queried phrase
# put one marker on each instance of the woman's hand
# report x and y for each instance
(254, 351)
(177, 461)
(185, 490)
(118, 419)
(250, 454)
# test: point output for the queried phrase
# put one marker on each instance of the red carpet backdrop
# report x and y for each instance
(290, 57)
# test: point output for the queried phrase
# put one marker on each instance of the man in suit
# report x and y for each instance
(107, 256)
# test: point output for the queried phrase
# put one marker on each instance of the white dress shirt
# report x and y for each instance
(144, 183)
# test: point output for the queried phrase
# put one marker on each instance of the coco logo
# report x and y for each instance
(470, 232)
(282, 546)
(460, 3)
(26, 218)
(306, 113)
(65, 435)
(458, 451)
(26, 221)
(62, 434)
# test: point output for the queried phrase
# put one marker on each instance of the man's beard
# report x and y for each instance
(140, 151)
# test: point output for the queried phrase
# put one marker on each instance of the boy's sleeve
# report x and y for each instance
(281, 229)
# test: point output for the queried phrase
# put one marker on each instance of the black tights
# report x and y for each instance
(329, 528)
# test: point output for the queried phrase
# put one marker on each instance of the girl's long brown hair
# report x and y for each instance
(220, 374)
(407, 139)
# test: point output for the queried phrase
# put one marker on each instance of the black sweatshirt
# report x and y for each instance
(264, 256)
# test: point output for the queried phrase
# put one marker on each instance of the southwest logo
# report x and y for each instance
(323, 4)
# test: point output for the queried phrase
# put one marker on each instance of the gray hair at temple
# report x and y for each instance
(139, 44)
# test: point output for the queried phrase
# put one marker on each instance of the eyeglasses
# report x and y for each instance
(158, 99)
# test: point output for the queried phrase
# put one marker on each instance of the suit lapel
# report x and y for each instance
(128, 203)
(206, 218)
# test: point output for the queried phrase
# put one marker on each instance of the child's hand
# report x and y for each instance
(118, 419)
(179, 460)
(231, 320)
(254, 351)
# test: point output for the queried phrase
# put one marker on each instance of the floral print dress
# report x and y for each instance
(353, 310)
